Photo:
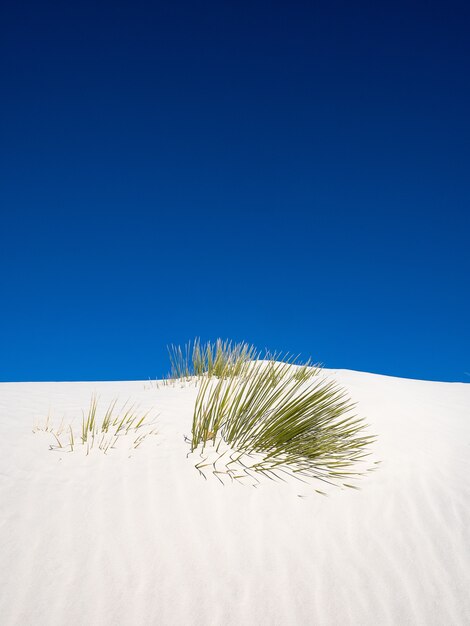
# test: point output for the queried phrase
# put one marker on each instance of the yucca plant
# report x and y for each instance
(103, 433)
(222, 357)
(285, 418)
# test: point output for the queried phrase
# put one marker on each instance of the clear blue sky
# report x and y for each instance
(293, 174)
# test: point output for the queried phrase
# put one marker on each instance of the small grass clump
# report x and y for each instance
(285, 418)
(101, 433)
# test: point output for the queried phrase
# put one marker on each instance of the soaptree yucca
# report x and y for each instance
(274, 417)
(222, 357)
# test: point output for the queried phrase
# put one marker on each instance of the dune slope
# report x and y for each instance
(138, 537)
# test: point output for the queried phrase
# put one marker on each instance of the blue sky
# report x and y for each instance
(295, 175)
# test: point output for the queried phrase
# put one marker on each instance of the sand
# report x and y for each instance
(140, 538)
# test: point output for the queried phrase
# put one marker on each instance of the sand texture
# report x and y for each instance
(137, 537)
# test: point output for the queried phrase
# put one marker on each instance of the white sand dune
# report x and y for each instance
(112, 540)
